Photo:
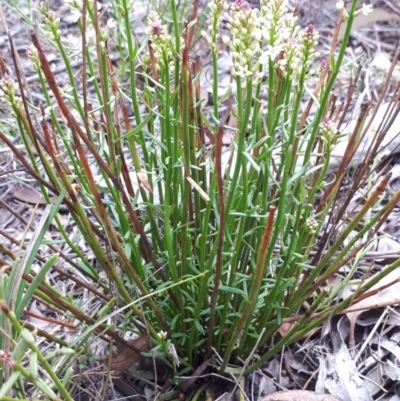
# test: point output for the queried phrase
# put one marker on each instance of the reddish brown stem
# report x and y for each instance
(221, 234)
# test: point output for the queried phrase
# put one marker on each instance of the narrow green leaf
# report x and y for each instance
(35, 283)
(232, 290)
(135, 130)
(199, 327)
(8, 385)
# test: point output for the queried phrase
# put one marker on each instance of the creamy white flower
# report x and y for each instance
(226, 40)
(340, 5)
(367, 9)
(162, 335)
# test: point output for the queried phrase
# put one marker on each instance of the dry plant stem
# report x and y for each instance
(132, 69)
(383, 218)
(186, 99)
(46, 301)
(103, 259)
(3, 67)
(17, 170)
(40, 179)
(310, 379)
(44, 334)
(381, 133)
(118, 143)
(393, 203)
(375, 291)
(76, 130)
(349, 99)
(21, 81)
(101, 52)
(326, 74)
(221, 232)
(388, 120)
(27, 166)
(193, 17)
(309, 278)
(332, 106)
(7, 252)
(50, 320)
(48, 291)
(254, 289)
(200, 123)
(385, 87)
(139, 173)
(332, 191)
(79, 214)
(84, 70)
(55, 250)
(364, 289)
(357, 296)
(352, 308)
(307, 286)
(33, 137)
(153, 62)
(186, 109)
(61, 270)
(373, 282)
(377, 140)
(351, 304)
(372, 151)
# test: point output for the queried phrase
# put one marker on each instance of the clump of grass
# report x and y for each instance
(206, 257)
